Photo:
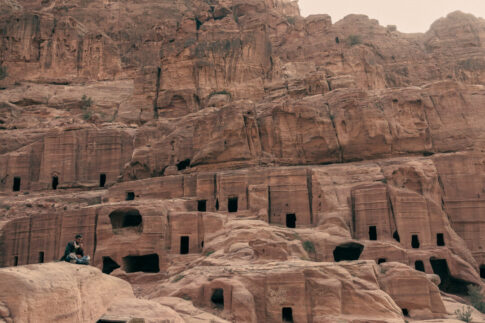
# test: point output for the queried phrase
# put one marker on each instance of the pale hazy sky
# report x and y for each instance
(408, 15)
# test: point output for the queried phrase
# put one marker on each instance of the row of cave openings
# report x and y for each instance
(54, 183)
(440, 238)
(232, 207)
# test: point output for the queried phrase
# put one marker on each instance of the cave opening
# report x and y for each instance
(347, 251)
(15, 260)
(372, 232)
(405, 312)
(126, 218)
(381, 260)
(449, 284)
(55, 182)
(232, 204)
(41, 257)
(146, 263)
(201, 205)
(184, 245)
(102, 180)
(291, 220)
(16, 184)
(130, 196)
(482, 271)
(337, 40)
(440, 239)
(217, 204)
(396, 237)
(183, 164)
(217, 297)
(287, 314)
(419, 265)
(109, 265)
(415, 241)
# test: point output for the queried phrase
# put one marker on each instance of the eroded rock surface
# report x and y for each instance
(234, 161)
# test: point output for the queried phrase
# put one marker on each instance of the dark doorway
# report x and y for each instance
(381, 260)
(55, 182)
(337, 40)
(440, 239)
(396, 237)
(41, 257)
(287, 314)
(232, 204)
(217, 297)
(348, 251)
(102, 180)
(448, 284)
(183, 164)
(130, 196)
(15, 260)
(291, 220)
(405, 312)
(147, 263)
(109, 265)
(419, 265)
(372, 232)
(184, 245)
(482, 271)
(217, 204)
(16, 184)
(124, 218)
(415, 241)
(201, 205)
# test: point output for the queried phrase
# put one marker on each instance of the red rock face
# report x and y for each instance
(236, 161)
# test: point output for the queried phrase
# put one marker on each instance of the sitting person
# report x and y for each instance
(74, 252)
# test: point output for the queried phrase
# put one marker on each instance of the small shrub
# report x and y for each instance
(465, 314)
(309, 246)
(476, 297)
(86, 102)
(87, 115)
(223, 92)
(208, 253)
(3, 72)
(353, 40)
(179, 277)
(291, 20)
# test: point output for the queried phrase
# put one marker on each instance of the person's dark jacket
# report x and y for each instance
(71, 248)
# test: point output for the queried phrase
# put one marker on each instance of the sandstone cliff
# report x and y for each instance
(235, 161)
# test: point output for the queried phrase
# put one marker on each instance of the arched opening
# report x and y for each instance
(201, 205)
(348, 251)
(291, 220)
(55, 182)
(232, 204)
(184, 245)
(41, 257)
(183, 164)
(415, 241)
(16, 184)
(419, 265)
(147, 263)
(372, 232)
(217, 297)
(449, 284)
(287, 314)
(109, 265)
(102, 180)
(130, 196)
(482, 271)
(126, 218)
(396, 237)
(440, 239)
(381, 260)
